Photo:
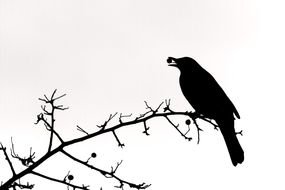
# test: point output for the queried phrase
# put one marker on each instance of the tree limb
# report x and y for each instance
(142, 118)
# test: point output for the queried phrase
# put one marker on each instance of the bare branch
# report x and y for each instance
(122, 116)
(21, 186)
(176, 127)
(45, 111)
(113, 171)
(210, 121)
(25, 161)
(51, 98)
(59, 97)
(40, 117)
(60, 181)
(167, 106)
(154, 111)
(60, 107)
(8, 159)
(102, 127)
(50, 125)
(146, 128)
(118, 140)
(198, 130)
(142, 118)
(82, 130)
(108, 174)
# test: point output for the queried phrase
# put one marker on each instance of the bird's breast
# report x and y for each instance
(194, 90)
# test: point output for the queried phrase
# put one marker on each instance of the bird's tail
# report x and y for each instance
(228, 131)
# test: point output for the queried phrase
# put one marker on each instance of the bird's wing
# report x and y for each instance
(217, 93)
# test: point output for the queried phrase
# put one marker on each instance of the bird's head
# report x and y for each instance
(183, 63)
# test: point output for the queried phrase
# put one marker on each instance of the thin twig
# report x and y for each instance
(82, 130)
(25, 161)
(106, 173)
(154, 113)
(59, 181)
(8, 159)
(118, 140)
(111, 116)
(176, 127)
(146, 128)
(198, 130)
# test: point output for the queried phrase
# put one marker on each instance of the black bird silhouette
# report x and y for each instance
(207, 98)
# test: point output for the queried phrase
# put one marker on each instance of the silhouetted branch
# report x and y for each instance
(40, 117)
(239, 133)
(149, 114)
(113, 171)
(210, 121)
(22, 186)
(118, 140)
(151, 109)
(8, 159)
(51, 101)
(82, 130)
(60, 181)
(122, 116)
(167, 106)
(102, 127)
(24, 161)
(146, 128)
(107, 174)
(198, 130)
(176, 127)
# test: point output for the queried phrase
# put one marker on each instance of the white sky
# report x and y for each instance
(110, 56)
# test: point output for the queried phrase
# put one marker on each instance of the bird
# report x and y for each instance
(207, 98)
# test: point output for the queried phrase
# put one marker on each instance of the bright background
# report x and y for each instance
(110, 56)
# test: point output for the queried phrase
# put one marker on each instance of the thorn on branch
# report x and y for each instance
(239, 133)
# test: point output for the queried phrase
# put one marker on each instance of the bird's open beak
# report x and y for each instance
(171, 61)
